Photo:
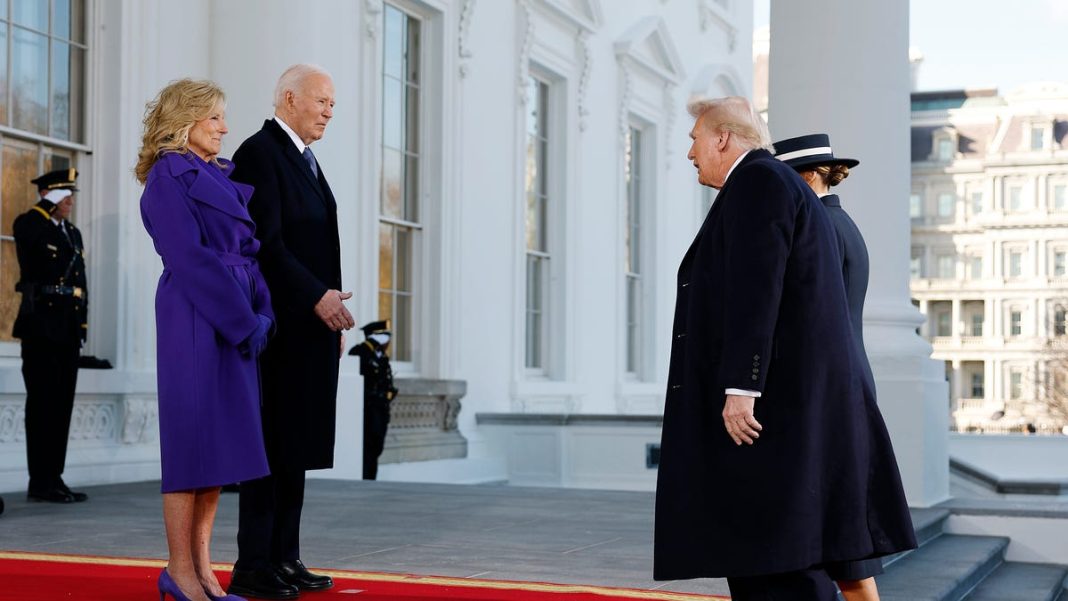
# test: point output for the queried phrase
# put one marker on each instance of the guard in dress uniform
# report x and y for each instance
(378, 392)
(52, 326)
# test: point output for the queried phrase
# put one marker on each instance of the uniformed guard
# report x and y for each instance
(378, 392)
(52, 326)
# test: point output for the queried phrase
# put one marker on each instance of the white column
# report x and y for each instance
(925, 327)
(958, 383)
(868, 41)
(955, 320)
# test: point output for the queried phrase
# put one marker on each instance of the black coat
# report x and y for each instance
(51, 267)
(761, 306)
(854, 272)
(296, 222)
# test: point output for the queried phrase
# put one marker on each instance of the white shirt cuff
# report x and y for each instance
(741, 392)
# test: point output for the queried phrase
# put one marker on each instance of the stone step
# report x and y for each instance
(1021, 582)
(944, 569)
(927, 523)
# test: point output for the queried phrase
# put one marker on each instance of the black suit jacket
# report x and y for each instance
(296, 223)
(761, 306)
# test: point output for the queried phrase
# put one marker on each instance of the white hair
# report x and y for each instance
(736, 115)
(292, 80)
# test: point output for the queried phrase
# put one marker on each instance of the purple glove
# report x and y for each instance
(257, 341)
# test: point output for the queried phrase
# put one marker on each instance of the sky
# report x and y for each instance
(982, 43)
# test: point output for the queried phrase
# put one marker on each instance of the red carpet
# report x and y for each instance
(40, 577)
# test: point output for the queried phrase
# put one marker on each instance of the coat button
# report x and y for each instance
(683, 335)
(684, 284)
(756, 363)
(756, 357)
(676, 386)
(756, 370)
(755, 378)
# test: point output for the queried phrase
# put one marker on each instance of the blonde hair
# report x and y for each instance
(736, 115)
(170, 116)
(832, 175)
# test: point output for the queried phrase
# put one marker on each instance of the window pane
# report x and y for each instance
(1037, 138)
(1060, 197)
(392, 186)
(31, 13)
(633, 323)
(945, 205)
(411, 120)
(977, 325)
(29, 67)
(977, 203)
(393, 42)
(915, 206)
(944, 325)
(402, 328)
(61, 105)
(17, 194)
(404, 259)
(385, 257)
(411, 54)
(535, 293)
(977, 268)
(3, 73)
(411, 189)
(392, 114)
(1015, 198)
(9, 300)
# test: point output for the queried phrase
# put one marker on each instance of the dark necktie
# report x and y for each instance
(63, 229)
(310, 159)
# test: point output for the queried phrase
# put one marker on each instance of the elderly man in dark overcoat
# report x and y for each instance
(296, 223)
(775, 461)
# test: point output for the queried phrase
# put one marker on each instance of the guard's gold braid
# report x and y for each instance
(543, 587)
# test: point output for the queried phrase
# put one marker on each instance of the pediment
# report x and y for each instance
(585, 14)
(649, 44)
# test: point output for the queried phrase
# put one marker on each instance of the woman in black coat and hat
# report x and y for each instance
(812, 158)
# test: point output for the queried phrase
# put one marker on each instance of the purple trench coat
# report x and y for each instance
(206, 305)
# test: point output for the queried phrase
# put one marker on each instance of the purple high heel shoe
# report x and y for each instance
(167, 586)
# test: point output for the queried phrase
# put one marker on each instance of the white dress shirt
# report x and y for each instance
(292, 134)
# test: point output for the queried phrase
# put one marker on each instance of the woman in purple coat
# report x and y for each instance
(213, 317)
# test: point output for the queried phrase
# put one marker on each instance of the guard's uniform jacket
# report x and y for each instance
(52, 271)
(52, 326)
(378, 392)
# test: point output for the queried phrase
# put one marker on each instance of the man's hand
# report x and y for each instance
(333, 312)
(739, 420)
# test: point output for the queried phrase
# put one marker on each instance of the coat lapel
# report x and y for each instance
(289, 150)
(205, 189)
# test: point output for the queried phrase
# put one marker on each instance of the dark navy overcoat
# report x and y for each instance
(296, 220)
(761, 306)
(206, 304)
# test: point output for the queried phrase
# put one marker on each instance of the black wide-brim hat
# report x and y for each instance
(812, 150)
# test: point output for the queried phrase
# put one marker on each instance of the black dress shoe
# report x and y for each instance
(1, 505)
(77, 496)
(262, 584)
(49, 495)
(294, 572)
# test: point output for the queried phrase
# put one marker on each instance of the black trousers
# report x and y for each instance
(375, 425)
(803, 585)
(50, 372)
(268, 523)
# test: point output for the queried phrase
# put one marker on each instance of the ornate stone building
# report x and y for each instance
(989, 257)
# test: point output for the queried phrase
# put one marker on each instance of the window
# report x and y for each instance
(42, 108)
(944, 325)
(399, 224)
(916, 262)
(977, 386)
(537, 231)
(945, 149)
(1015, 385)
(915, 206)
(1015, 322)
(976, 268)
(1060, 197)
(977, 203)
(946, 267)
(632, 269)
(1015, 263)
(1059, 257)
(1015, 199)
(1059, 317)
(945, 204)
(1038, 137)
(977, 325)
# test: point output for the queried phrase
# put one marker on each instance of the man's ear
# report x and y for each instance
(722, 139)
